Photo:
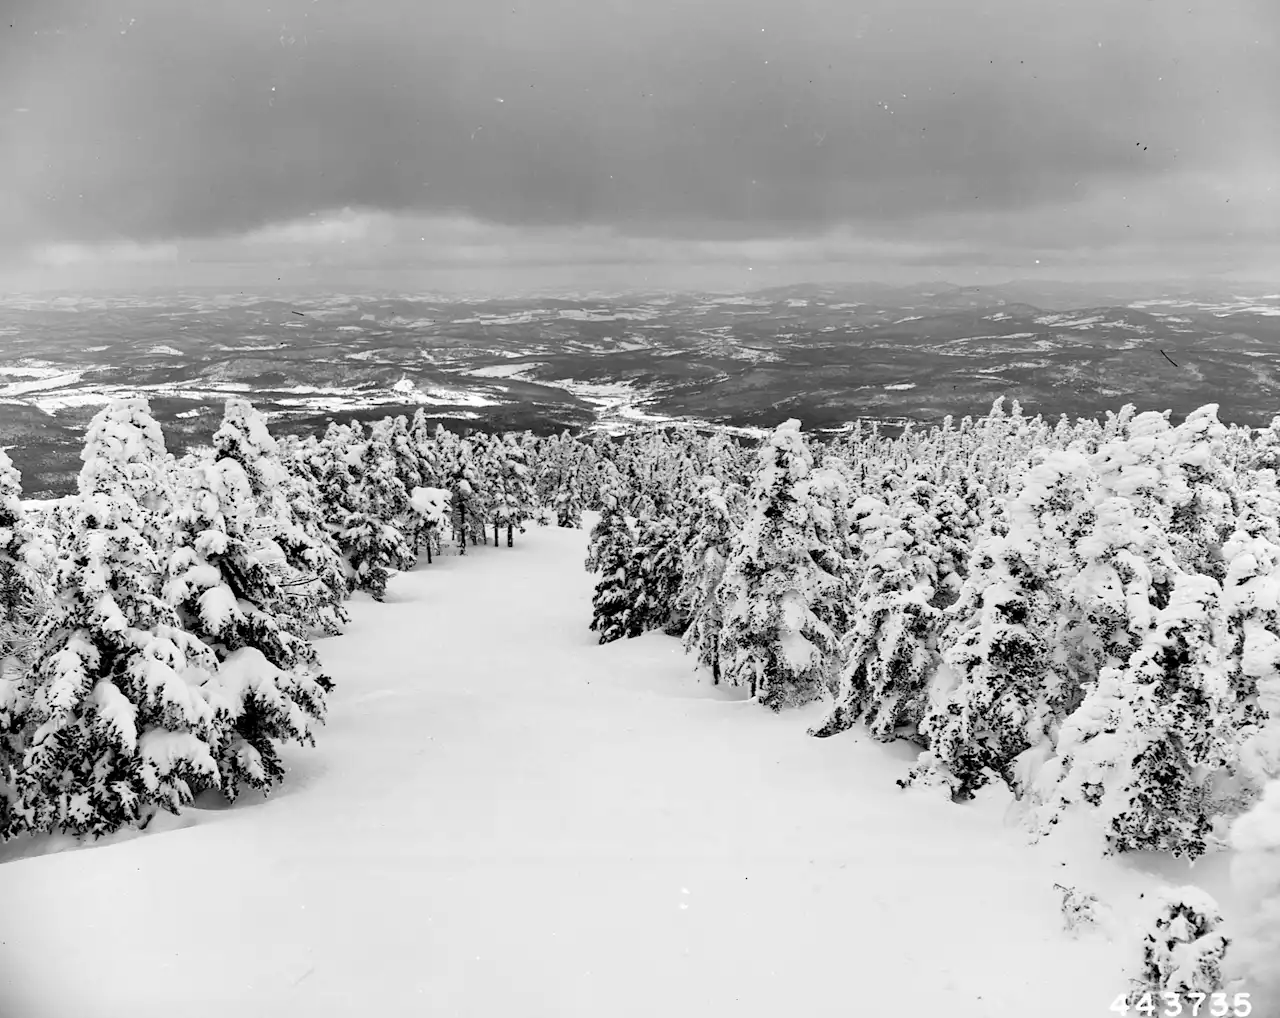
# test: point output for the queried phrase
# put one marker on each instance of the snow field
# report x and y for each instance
(502, 818)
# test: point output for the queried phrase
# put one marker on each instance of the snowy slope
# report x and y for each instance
(504, 819)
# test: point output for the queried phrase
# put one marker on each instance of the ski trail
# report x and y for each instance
(504, 819)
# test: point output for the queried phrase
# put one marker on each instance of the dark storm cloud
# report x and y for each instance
(160, 119)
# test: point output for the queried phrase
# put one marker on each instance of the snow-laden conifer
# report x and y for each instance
(125, 713)
(512, 486)
(653, 576)
(26, 560)
(372, 547)
(1144, 746)
(611, 553)
(705, 549)
(567, 495)
(228, 596)
(1183, 949)
(1251, 593)
(783, 587)
(26, 603)
(286, 518)
(889, 654)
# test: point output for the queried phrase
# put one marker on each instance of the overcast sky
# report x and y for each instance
(592, 142)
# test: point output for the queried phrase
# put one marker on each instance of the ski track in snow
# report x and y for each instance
(502, 818)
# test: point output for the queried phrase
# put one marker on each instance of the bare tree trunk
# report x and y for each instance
(428, 549)
(495, 533)
(509, 543)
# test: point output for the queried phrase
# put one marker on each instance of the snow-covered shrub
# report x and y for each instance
(1079, 910)
(1183, 949)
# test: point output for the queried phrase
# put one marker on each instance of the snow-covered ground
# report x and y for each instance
(504, 819)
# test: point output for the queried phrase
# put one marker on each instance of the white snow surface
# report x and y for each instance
(503, 818)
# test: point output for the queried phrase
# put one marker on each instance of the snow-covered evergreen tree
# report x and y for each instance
(566, 496)
(783, 587)
(1002, 679)
(889, 653)
(26, 556)
(125, 713)
(512, 487)
(372, 547)
(706, 547)
(1251, 593)
(286, 518)
(610, 553)
(229, 597)
(1146, 743)
(653, 576)
(26, 551)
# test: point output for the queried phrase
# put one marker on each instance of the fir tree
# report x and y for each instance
(125, 713)
(610, 553)
(653, 577)
(227, 596)
(26, 551)
(783, 582)
(705, 553)
(1143, 746)
(514, 494)
(287, 516)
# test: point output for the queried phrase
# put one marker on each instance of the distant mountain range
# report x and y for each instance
(825, 354)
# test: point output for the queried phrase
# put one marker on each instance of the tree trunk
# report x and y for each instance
(428, 549)
(495, 533)
(509, 543)
(715, 663)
